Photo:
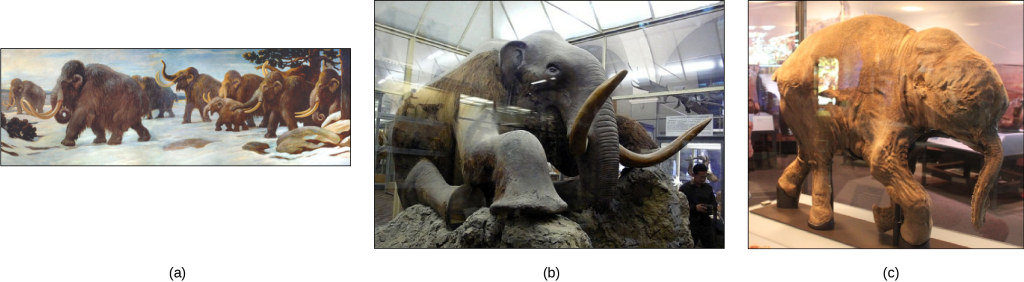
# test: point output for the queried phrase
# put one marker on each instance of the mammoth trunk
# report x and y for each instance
(992, 148)
(600, 164)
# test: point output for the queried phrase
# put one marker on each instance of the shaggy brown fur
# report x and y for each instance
(27, 90)
(633, 136)
(195, 85)
(102, 99)
(234, 119)
(305, 72)
(282, 98)
(241, 88)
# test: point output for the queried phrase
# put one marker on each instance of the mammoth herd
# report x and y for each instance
(100, 98)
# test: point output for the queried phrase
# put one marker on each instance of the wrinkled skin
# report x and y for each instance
(100, 98)
(477, 163)
(281, 97)
(233, 119)
(241, 88)
(894, 86)
(194, 85)
(24, 89)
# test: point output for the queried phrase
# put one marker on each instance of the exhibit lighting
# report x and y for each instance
(700, 66)
(435, 55)
(752, 27)
(385, 78)
(768, 27)
(1017, 2)
(911, 9)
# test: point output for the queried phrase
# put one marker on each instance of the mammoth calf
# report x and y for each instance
(894, 86)
(100, 98)
(27, 90)
(233, 119)
(285, 99)
(241, 88)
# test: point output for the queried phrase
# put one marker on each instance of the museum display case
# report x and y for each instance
(860, 82)
(482, 110)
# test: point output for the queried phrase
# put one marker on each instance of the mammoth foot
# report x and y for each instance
(114, 142)
(906, 245)
(217, 129)
(785, 201)
(829, 225)
(69, 143)
(270, 135)
(99, 140)
(884, 218)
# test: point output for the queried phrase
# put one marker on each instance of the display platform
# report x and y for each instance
(855, 228)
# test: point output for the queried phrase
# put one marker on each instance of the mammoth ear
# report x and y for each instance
(334, 84)
(278, 86)
(77, 81)
(234, 83)
(190, 77)
(512, 57)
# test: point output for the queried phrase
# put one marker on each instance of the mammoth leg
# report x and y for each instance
(218, 126)
(889, 166)
(187, 116)
(271, 126)
(788, 187)
(161, 115)
(76, 125)
(100, 133)
(204, 114)
(142, 132)
(425, 184)
(115, 137)
(516, 165)
(244, 126)
(288, 119)
(249, 122)
(822, 217)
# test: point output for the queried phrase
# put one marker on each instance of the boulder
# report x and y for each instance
(420, 227)
(306, 139)
(647, 212)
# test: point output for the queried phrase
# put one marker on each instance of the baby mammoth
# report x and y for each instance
(233, 119)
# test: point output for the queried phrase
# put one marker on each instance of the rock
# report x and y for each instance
(345, 142)
(335, 116)
(648, 212)
(3, 121)
(420, 227)
(339, 126)
(258, 147)
(306, 139)
(187, 143)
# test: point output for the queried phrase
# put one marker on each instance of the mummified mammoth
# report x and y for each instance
(894, 86)
(490, 166)
(100, 98)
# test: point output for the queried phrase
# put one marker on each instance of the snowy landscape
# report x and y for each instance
(172, 143)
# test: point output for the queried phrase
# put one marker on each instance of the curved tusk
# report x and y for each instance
(258, 103)
(161, 81)
(631, 159)
(265, 68)
(206, 97)
(308, 112)
(587, 112)
(32, 111)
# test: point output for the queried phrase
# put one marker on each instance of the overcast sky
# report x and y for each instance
(43, 66)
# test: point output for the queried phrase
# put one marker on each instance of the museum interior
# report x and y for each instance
(947, 169)
(549, 124)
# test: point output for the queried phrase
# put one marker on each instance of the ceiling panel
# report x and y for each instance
(527, 17)
(567, 25)
(445, 21)
(401, 15)
(617, 13)
(480, 30)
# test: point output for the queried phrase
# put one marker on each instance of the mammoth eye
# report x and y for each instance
(552, 69)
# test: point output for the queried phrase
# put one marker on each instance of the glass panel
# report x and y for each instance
(502, 26)
(430, 62)
(479, 30)
(401, 15)
(579, 9)
(527, 17)
(665, 8)
(567, 25)
(389, 55)
(613, 14)
(446, 21)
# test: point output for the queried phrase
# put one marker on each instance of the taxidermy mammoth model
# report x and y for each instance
(504, 170)
(28, 91)
(195, 85)
(894, 86)
(100, 98)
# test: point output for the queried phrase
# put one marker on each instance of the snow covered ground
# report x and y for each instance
(225, 148)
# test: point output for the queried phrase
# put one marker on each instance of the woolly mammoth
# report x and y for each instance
(326, 96)
(100, 98)
(241, 88)
(285, 100)
(464, 159)
(160, 98)
(195, 85)
(234, 119)
(894, 86)
(27, 90)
